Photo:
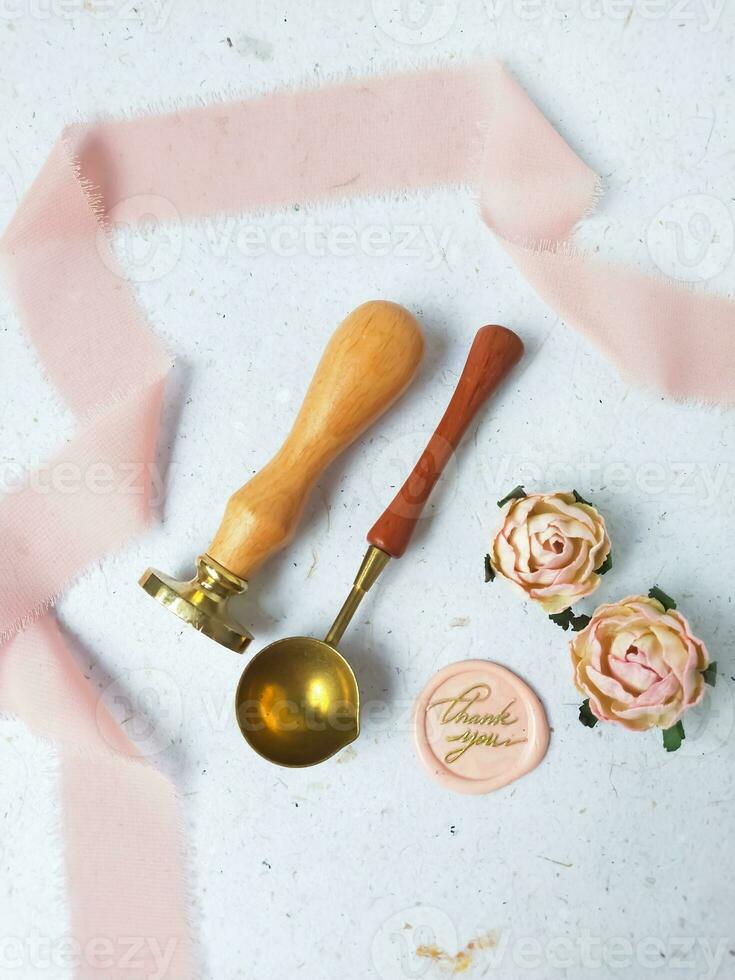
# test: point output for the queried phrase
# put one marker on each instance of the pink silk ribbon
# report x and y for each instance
(472, 126)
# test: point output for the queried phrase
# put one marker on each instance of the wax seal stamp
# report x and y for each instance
(478, 727)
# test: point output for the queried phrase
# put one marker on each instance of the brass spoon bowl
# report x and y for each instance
(298, 702)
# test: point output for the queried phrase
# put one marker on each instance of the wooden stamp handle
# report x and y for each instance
(494, 352)
(372, 357)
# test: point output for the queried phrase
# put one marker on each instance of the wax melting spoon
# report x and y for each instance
(297, 702)
(369, 361)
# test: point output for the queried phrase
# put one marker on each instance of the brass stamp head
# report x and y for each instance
(203, 601)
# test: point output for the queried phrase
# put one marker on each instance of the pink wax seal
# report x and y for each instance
(478, 727)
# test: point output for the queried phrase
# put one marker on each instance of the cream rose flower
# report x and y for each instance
(551, 545)
(639, 664)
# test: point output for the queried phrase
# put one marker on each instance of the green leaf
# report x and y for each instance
(666, 601)
(489, 570)
(580, 499)
(605, 566)
(710, 674)
(585, 714)
(563, 618)
(579, 622)
(566, 618)
(673, 737)
(517, 493)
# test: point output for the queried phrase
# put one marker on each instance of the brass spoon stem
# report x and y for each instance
(373, 564)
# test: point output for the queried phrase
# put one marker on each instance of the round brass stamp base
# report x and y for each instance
(202, 602)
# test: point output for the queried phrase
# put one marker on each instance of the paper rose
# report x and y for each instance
(639, 664)
(552, 546)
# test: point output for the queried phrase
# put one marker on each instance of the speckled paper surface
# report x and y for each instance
(612, 856)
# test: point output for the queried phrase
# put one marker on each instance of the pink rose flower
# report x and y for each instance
(550, 546)
(639, 665)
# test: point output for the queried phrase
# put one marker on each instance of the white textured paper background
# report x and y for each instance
(612, 858)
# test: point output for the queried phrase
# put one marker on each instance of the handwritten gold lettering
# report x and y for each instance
(457, 712)
(471, 738)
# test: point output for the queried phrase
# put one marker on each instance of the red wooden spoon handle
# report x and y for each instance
(494, 352)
